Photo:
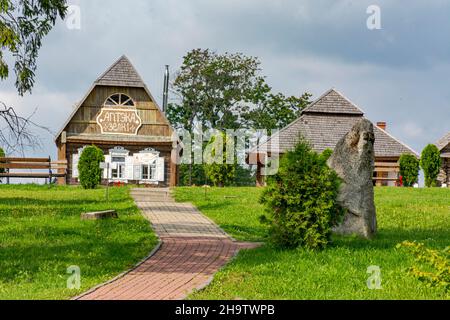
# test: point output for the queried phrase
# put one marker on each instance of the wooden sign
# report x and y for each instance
(119, 121)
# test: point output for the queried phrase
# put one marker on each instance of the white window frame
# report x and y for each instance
(151, 171)
(118, 166)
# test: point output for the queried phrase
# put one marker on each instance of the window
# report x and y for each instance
(118, 167)
(149, 171)
(119, 100)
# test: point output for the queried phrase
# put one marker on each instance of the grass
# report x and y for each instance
(338, 272)
(41, 235)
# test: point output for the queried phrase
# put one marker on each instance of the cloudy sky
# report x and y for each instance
(398, 74)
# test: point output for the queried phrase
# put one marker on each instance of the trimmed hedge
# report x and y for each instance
(431, 163)
(89, 172)
(409, 169)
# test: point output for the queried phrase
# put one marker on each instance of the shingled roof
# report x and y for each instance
(121, 73)
(443, 142)
(444, 145)
(333, 101)
(325, 122)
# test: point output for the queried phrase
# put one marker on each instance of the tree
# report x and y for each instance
(431, 163)
(409, 169)
(274, 111)
(89, 171)
(217, 169)
(213, 89)
(23, 25)
(227, 91)
(301, 200)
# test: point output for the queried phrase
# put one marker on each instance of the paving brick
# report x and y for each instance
(193, 249)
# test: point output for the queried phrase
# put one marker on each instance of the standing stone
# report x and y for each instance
(353, 160)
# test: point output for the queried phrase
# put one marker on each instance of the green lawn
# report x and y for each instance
(338, 272)
(41, 235)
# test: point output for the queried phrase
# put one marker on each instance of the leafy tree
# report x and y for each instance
(274, 111)
(431, 163)
(23, 25)
(217, 169)
(214, 88)
(409, 169)
(89, 171)
(227, 91)
(301, 200)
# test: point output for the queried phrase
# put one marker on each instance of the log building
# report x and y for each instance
(119, 115)
(323, 123)
(444, 147)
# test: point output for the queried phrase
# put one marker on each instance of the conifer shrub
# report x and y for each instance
(409, 169)
(301, 200)
(89, 172)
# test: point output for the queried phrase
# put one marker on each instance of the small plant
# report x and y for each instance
(301, 200)
(409, 169)
(326, 154)
(90, 174)
(431, 164)
(436, 262)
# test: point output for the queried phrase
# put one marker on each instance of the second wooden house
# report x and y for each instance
(323, 123)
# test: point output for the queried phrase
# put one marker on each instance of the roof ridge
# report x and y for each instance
(443, 142)
(333, 89)
(139, 82)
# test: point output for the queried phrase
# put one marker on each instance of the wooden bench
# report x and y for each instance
(55, 169)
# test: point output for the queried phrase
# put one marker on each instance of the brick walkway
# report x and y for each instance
(192, 249)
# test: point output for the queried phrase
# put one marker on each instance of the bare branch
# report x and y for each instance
(16, 133)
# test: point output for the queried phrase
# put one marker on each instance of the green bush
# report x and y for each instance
(431, 164)
(301, 200)
(2, 154)
(436, 263)
(89, 172)
(409, 169)
(326, 154)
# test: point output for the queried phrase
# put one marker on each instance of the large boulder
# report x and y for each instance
(353, 160)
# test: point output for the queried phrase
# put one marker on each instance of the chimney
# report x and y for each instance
(382, 125)
(166, 89)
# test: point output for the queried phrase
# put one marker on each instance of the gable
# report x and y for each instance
(444, 143)
(121, 73)
(325, 122)
(83, 120)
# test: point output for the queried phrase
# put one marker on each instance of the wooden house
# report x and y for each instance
(444, 147)
(119, 115)
(323, 123)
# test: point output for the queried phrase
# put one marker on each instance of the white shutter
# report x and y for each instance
(137, 173)
(129, 168)
(105, 171)
(160, 169)
(75, 159)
